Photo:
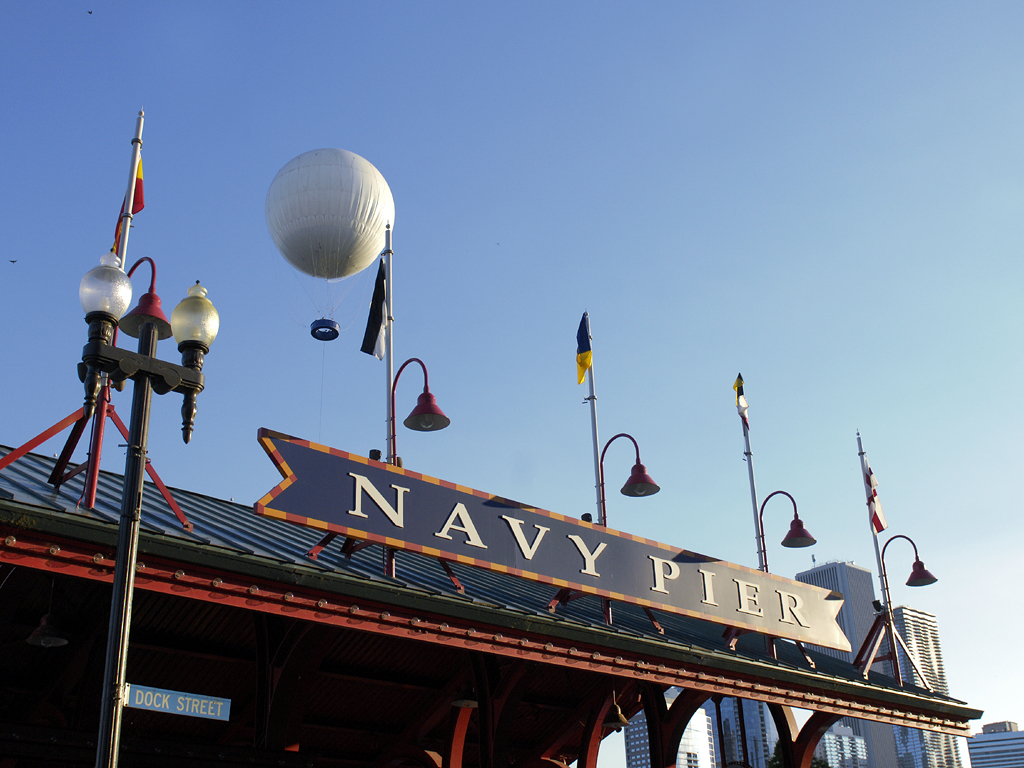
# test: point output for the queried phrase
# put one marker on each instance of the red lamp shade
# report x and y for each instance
(426, 416)
(148, 311)
(920, 576)
(798, 536)
(640, 483)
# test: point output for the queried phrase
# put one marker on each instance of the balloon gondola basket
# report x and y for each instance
(324, 329)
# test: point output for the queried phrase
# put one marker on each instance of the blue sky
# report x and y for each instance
(826, 197)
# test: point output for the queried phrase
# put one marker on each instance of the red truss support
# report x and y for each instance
(349, 548)
(797, 745)
(81, 560)
(451, 575)
(593, 731)
(75, 418)
(564, 596)
(456, 741)
(58, 477)
(654, 621)
(867, 655)
(152, 473)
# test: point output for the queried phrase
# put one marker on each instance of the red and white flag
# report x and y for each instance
(878, 523)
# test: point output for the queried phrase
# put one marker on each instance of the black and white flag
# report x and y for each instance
(373, 339)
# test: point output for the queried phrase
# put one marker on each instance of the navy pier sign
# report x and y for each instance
(363, 499)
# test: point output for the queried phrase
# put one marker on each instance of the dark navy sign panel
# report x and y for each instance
(178, 702)
(348, 494)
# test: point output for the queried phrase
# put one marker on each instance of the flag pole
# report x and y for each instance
(864, 471)
(606, 604)
(593, 421)
(129, 198)
(585, 355)
(753, 496)
(597, 444)
(389, 356)
(741, 408)
(389, 350)
(883, 580)
(100, 416)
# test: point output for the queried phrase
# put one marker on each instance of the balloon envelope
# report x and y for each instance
(327, 210)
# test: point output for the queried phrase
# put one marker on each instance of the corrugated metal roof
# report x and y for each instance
(234, 527)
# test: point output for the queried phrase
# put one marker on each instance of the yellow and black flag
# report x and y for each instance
(584, 355)
(741, 401)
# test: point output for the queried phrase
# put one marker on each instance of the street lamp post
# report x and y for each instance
(919, 577)
(638, 484)
(105, 293)
(425, 417)
(798, 536)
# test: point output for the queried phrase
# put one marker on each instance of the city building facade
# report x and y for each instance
(915, 748)
(743, 732)
(1005, 726)
(842, 748)
(999, 745)
(696, 748)
(856, 616)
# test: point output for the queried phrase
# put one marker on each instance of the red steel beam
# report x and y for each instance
(152, 474)
(42, 437)
(27, 549)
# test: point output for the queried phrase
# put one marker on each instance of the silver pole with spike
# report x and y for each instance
(389, 357)
(753, 496)
(593, 424)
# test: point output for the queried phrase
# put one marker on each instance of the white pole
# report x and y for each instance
(597, 444)
(882, 579)
(389, 347)
(129, 199)
(867, 494)
(593, 425)
(389, 356)
(753, 496)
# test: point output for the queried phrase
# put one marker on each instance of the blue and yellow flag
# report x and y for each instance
(584, 355)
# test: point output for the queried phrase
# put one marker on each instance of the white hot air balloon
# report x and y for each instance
(327, 211)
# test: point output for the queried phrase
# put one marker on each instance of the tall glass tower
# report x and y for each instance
(744, 732)
(914, 748)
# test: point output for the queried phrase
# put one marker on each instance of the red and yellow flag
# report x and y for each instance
(138, 203)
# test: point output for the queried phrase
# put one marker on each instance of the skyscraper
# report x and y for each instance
(1000, 745)
(696, 747)
(856, 584)
(743, 731)
(914, 748)
(840, 747)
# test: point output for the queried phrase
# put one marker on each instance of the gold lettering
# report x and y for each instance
(791, 605)
(589, 558)
(661, 574)
(748, 598)
(461, 514)
(528, 550)
(394, 514)
(709, 587)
